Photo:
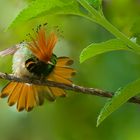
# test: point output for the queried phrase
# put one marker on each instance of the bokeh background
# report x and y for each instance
(74, 117)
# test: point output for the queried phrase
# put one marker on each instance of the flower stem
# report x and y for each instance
(100, 19)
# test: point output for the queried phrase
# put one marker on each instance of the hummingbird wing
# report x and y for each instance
(61, 74)
(9, 51)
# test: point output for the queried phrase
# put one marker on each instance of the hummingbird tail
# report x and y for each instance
(27, 96)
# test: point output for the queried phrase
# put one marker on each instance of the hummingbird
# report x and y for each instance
(35, 59)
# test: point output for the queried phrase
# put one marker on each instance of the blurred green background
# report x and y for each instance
(74, 117)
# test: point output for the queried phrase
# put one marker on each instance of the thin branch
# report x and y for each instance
(76, 88)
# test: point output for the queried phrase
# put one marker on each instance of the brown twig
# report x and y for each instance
(76, 88)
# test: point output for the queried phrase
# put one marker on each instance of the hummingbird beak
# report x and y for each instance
(49, 62)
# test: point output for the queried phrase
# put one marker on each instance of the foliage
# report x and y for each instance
(136, 30)
(42, 7)
(99, 48)
(90, 9)
(121, 96)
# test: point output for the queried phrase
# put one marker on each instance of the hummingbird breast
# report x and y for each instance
(19, 59)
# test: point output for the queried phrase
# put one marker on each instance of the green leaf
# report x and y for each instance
(120, 97)
(135, 29)
(39, 8)
(99, 48)
(95, 3)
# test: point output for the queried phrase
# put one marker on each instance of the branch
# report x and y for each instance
(81, 89)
